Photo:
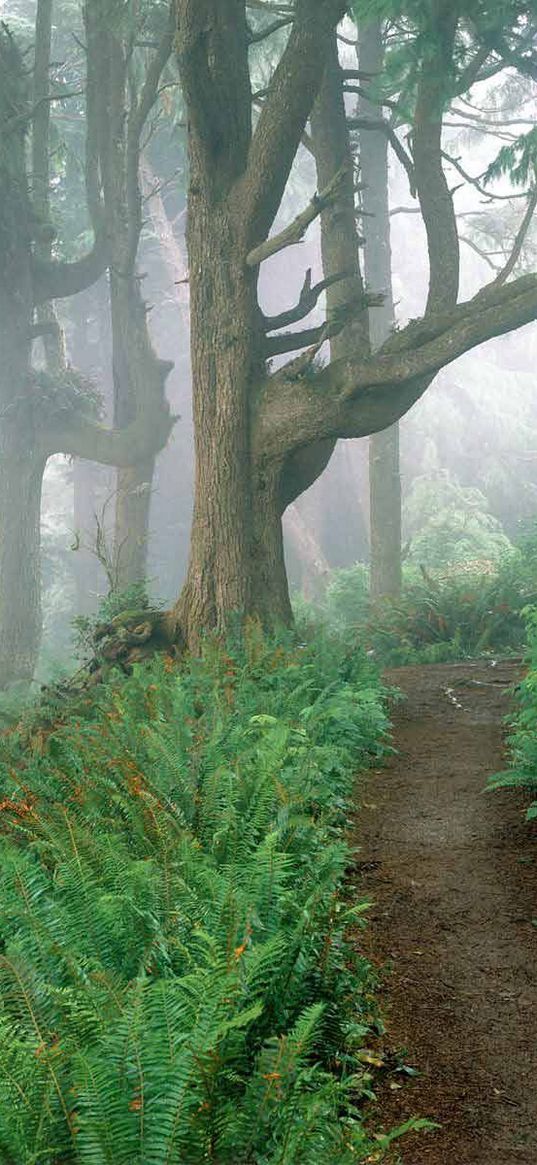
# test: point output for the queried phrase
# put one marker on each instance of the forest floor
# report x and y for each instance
(452, 875)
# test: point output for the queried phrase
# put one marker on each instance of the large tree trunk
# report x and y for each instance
(21, 472)
(132, 523)
(236, 546)
(384, 468)
(262, 436)
(21, 477)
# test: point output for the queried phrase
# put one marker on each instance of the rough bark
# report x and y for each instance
(434, 195)
(236, 559)
(20, 470)
(384, 471)
(120, 115)
(21, 476)
(261, 437)
(31, 423)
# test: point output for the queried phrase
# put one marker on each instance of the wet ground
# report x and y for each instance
(452, 872)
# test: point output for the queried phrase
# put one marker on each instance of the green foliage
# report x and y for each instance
(347, 596)
(113, 605)
(177, 982)
(466, 609)
(522, 774)
(461, 614)
(518, 161)
(448, 524)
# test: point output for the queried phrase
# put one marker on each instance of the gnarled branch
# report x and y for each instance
(356, 397)
(296, 230)
(308, 299)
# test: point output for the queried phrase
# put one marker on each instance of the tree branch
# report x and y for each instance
(398, 148)
(285, 112)
(520, 239)
(353, 397)
(53, 279)
(264, 33)
(477, 184)
(308, 299)
(294, 341)
(56, 280)
(294, 233)
(434, 195)
(145, 436)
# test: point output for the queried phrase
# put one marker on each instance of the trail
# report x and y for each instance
(452, 873)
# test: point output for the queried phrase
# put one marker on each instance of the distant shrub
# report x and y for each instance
(448, 524)
(464, 609)
(522, 741)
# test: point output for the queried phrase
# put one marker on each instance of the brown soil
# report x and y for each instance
(452, 873)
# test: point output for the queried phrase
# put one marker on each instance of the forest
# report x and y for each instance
(268, 582)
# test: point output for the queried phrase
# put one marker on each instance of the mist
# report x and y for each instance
(468, 448)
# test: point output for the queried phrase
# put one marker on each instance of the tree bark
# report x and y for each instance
(384, 468)
(21, 477)
(262, 436)
(226, 561)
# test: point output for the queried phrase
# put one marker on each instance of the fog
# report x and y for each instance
(468, 447)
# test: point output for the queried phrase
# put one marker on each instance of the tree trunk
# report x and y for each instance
(236, 542)
(21, 477)
(385, 508)
(132, 523)
(384, 469)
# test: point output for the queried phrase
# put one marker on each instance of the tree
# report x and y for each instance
(53, 411)
(384, 469)
(262, 436)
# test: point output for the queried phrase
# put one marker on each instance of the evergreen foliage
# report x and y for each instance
(177, 980)
(522, 774)
(464, 610)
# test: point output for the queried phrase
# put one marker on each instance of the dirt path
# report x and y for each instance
(453, 875)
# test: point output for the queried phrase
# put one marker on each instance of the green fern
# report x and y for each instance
(176, 983)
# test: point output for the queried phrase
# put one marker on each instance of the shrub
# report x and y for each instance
(465, 610)
(522, 741)
(177, 982)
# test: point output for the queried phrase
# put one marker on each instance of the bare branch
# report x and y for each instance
(294, 341)
(333, 326)
(57, 280)
(352, 398)
(296, 230)
(263, 33)
(478, 250)
(477, 183)
(398, 148)
(520, 239)
(308, 299)
(80, 436)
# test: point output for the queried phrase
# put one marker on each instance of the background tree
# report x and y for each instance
(261, 437)
(384, 461)
(51, 410)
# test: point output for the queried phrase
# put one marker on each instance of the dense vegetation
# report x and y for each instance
(522, 774)
(180, 975)
(462, 611)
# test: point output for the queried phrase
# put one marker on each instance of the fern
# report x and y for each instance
(176, 983)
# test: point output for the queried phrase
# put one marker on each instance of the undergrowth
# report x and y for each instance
(178, 983)
(522, 741)
(469, 610)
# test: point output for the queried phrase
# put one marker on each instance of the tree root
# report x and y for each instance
(130, 638)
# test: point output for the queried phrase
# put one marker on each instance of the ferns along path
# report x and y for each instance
(450, 870)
